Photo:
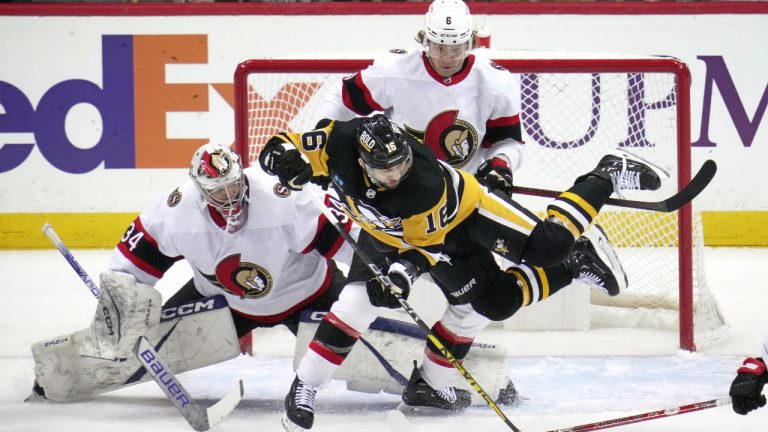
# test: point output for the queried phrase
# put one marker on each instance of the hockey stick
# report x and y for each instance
(683, 409)
(409, 310)
(48, 231)
(673, 203)
(201, 419)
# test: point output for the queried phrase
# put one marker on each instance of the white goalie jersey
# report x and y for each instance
(466, 119)
(278, 262)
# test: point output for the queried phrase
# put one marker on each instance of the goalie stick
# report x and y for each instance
(412, 313)
(673, 203)
(51, 234)
(201, 419)
(621, 421)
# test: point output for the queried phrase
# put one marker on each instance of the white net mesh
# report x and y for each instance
(570, 120)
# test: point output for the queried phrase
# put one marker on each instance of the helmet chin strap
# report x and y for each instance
(371, 176)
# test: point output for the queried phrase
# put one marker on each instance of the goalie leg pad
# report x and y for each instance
(384, 359)
(126, 310)
(189, 336)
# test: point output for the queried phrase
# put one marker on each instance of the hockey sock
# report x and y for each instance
(437, 371)
(331, 345)
(579, 205)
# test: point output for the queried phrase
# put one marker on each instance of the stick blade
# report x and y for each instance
(226, 405)
(697, 184)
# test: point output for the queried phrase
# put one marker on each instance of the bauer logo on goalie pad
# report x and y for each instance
(193, 307)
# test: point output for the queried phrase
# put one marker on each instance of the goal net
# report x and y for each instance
(573, 111)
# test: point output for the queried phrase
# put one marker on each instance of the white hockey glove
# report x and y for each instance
(126, 310)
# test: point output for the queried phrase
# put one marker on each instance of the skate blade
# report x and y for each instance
(661, 172)
(416, 411)
(36, 398)
(290, 426)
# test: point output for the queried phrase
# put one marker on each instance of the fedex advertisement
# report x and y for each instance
(101, 113)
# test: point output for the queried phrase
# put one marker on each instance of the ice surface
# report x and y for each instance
(566, 378)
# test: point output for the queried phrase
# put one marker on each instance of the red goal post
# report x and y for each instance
(573, 111)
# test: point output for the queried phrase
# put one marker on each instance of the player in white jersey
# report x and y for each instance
(267, 250)
(747, 388)
(464, 107)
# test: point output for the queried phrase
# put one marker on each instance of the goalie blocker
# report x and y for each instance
(192, 335)
(383, 360)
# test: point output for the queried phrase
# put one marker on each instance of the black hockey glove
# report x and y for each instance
(495, 174)
(401, 274)
(747, 387)
(278, 159)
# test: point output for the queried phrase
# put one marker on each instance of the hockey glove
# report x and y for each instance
(747, 387)
(401, 275)
(495, 174)
(279, 159)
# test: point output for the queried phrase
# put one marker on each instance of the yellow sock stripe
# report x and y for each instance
(586, 206)
(566, 222)
(523, 284)
(543, 281)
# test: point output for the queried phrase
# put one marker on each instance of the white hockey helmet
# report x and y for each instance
(218, 174)
(448, 22)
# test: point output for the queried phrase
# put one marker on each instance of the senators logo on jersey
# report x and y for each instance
(174, 198)
(243, 279)
(453, 140)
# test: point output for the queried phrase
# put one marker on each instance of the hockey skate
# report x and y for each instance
(508, 395)
(418, 396)
(37, 395)
(594, 262)
(629, 172)
(299, 407)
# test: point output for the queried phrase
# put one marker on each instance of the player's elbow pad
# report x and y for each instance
(549, 244)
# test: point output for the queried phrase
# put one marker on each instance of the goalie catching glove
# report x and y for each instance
(401, 274)
(280, 159)
(747, 387)
(495, 174)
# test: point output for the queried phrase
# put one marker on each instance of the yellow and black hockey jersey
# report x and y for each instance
(414, 218)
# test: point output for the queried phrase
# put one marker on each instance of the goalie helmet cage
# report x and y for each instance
(573, 111)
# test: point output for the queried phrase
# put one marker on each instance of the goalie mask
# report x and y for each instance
(384, 153)
(447, 35)
(218, 175)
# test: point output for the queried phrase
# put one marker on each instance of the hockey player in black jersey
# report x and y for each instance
(422, 215)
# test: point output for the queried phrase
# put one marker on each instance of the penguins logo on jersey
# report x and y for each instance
(174, 198)
(452, 139)
(243, 279)
(500, 247)
(372, 218)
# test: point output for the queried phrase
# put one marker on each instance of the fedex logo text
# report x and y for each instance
(132, 102)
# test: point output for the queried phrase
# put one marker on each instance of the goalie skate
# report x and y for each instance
(595, 263)
(420, 397)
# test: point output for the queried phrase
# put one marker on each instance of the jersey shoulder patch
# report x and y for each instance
(497, 66)
(174, 198)
(398, 51)
(281, 191)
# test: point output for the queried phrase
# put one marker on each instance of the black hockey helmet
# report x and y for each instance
(381, 143)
